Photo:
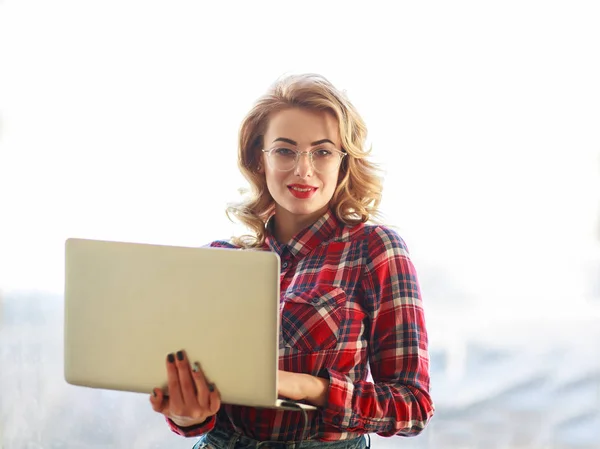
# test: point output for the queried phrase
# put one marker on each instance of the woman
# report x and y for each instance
(351, 303)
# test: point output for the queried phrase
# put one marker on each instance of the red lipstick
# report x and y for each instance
(302, 191)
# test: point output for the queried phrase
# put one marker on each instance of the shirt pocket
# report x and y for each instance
(311, 319)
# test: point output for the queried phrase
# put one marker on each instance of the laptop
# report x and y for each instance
(128, 305)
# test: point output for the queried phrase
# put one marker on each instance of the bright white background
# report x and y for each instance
(119, 120)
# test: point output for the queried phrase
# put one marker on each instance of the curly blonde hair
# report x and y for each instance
(358, 193)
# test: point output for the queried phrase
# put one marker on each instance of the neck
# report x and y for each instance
(287, 225)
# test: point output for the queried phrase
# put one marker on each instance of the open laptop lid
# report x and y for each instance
(127, 305)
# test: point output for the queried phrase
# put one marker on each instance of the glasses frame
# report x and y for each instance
(342, 154)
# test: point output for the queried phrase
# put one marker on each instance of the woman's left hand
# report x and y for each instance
(299, 387)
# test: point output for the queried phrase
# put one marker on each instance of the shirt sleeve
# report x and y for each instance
(193, 431)
(397, 402)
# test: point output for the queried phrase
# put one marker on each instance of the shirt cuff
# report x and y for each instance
(195, 430)
(338, 409)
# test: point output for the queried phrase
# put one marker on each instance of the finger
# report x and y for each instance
(202, 386)
(175, 398)
(186, 382)
(159, 401)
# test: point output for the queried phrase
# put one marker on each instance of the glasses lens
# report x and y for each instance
(326, 161)
(283, 159)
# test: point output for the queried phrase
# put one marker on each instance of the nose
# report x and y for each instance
(304, 166)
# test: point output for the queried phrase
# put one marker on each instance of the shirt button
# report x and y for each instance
(285, 264)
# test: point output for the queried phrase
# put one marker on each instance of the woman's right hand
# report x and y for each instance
(191, 399)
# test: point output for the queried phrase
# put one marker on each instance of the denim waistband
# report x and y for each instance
(221, 439)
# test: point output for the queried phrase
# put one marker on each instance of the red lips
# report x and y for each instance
(302, 191)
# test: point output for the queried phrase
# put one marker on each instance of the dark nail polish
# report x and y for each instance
(211, 387)
(180, 355)
(171, 358)
(154, 393)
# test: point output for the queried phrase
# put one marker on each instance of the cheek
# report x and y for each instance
(274, 179)
(330, 182)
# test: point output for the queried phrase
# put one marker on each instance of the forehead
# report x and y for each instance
(303, 126)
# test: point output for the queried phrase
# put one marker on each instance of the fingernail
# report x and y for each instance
(196, 367)
(180, 355)
(211, 387)
(154, 393)
(171, 358)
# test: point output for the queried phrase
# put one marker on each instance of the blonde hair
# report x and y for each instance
(358, 193)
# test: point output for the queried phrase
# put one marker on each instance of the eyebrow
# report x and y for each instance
(293, 142)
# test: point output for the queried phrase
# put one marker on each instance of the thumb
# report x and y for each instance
(214, 400)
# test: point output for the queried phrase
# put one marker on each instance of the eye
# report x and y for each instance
(284, 152)
(322, 153)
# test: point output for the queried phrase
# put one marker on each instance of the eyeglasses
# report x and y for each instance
(323, 160)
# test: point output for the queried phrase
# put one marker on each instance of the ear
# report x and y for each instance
(260, 162)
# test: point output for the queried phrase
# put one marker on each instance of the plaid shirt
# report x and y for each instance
(351, 312)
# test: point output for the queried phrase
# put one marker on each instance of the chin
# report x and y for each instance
(305, 209)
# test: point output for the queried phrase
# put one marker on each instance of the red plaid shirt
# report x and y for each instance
(351, 312)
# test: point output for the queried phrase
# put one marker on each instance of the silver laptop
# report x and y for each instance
(128, 305)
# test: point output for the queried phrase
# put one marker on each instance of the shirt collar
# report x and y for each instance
(306, 240)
